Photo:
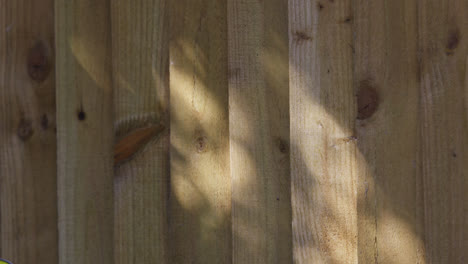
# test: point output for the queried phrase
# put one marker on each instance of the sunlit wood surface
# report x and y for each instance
(233, 131)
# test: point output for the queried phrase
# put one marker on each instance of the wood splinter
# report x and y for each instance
(129, 145)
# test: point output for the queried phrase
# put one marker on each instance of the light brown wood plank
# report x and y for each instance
(324, 158)
(259, 131)
(387, 89)
(85, 134)
(443, 138)
(28, 199)
(141, 92)
(200, 199)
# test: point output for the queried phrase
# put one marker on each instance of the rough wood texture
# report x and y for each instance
(234, 131)
(443, 139)
(28, 199)
(387, 89)
(141, 92)
(259, 131)
(85, 134)
(200, 199)
(324, 157)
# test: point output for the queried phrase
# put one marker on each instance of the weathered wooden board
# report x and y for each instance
(386, 78)
(238, 131)
(259, 131)
(85, 131)
(443, 126)
(28, 199)
(141, 92)
(200, 196)
(324, 158)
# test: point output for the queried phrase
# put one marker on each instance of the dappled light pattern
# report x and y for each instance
(259, 131)
(363, 147)
(200, 198)
(325, 162)
(233, 131)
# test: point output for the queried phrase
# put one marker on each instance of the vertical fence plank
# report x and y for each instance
(387, 90)
(85, 134)
(443, 32)
(259, 131)
(140, 77)
(28, 200)
(200, 206)
(324, 160)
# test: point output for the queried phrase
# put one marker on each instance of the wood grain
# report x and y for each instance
(443, 140)
(141, 154)
(28, 200)
(259, 131)
(389, 191)
(200, 199)
(85, 135)
(324, 158)
(238, 131)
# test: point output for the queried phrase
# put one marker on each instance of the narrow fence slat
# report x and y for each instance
(84, 131)
(141, 92)
(387, 89)
(324, 159)
(443, 124)
(28, 174)
(200, 196)
(259, 131)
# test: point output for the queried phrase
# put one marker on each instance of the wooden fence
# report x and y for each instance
(233, 131)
